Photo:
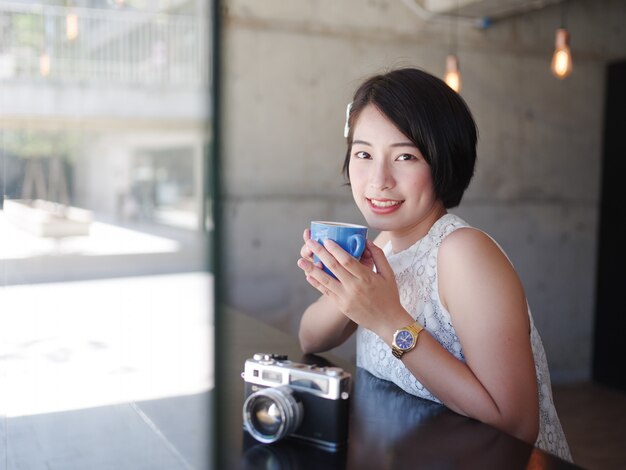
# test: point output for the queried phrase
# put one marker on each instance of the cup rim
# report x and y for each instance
(337, 224)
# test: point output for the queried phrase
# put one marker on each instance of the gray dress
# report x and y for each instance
(416, 274)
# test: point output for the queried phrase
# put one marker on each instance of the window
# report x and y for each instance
(105, 228)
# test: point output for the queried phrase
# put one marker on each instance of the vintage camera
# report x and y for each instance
(286, 398)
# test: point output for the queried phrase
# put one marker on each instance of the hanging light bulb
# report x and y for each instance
(71, 26)
(453, 73)
(44, 64)
(562, 57)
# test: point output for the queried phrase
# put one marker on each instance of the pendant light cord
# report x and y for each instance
(564, 6)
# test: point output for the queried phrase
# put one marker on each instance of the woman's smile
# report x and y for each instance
(383, 206)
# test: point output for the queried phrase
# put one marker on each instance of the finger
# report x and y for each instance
(380, 261)
(306, 253)
(307, 265)
(320, 287)
(347, 261)
(366, 259)
(327, 258)
(324, 289)
(315, 276)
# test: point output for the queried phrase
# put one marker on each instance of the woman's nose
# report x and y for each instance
(381, 177)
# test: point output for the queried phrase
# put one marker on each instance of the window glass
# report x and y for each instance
(105, 229)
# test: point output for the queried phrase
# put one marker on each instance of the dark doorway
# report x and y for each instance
(609, 361)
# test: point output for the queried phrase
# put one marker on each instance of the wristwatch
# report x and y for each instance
(405, 339)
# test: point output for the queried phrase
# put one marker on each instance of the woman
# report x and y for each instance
(437, 306)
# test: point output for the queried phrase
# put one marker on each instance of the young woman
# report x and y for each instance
(437, 306)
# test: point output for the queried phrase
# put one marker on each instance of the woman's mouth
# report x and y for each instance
(383, 206)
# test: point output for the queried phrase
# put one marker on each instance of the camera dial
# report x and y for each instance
(264, 358)
(334, 371)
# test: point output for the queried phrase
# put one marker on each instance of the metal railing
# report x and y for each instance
(94, 46)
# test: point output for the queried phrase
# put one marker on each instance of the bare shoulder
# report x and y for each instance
(469, 245)
(470, 265)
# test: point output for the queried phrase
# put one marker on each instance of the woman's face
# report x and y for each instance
(391, 181)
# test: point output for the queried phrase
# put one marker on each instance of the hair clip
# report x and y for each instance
(346, 128)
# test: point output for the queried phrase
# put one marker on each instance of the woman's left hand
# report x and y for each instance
(368, 298)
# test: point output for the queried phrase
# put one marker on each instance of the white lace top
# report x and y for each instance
(416, 274)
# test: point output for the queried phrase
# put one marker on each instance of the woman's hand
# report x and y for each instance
(306, 252)
(369, 298)
(323, 325)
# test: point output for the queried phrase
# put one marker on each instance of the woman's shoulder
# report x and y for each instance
(453, 234)
(474, 274)
(444, 227)
(469, 245)
(469, 257)
(464, 238)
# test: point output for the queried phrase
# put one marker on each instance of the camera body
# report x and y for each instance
(286, 398)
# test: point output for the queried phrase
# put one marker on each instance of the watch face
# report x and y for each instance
(404, 339)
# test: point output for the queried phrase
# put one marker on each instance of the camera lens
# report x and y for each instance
(272, 413)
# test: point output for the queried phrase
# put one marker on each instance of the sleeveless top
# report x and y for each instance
(416, 275)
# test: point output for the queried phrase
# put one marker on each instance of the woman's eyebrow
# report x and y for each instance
(397, 144)
(404, 144)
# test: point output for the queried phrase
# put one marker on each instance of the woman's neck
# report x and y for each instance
(406, 237)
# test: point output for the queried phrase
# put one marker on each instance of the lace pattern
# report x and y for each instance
(416, 275)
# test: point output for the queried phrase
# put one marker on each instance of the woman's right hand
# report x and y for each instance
(323, 325)
(307, 254)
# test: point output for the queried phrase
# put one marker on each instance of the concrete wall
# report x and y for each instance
(291, 67)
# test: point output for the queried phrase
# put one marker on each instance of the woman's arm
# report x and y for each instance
(480, 289)
(323, 326)
(484, 295)
(486, 301)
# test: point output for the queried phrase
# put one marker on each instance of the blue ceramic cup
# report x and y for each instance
(350, 237)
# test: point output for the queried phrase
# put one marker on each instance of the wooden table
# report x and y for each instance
(389, 429)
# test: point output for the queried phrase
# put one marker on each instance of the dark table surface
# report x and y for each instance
(389, 429)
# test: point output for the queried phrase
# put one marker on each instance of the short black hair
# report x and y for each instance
(433, 116)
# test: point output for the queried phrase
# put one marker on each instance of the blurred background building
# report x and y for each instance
(105, 107)
(105, 281)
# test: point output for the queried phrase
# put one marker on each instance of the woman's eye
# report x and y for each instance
(405, 157)
(362, 155)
